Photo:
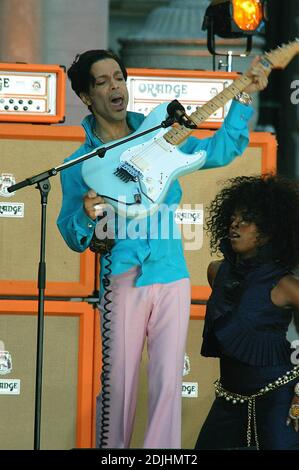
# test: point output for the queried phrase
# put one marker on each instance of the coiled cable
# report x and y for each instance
(105, 403)
(104, 247)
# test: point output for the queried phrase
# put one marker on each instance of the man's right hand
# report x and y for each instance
(93, 204)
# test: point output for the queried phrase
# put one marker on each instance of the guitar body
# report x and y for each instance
(135, 177)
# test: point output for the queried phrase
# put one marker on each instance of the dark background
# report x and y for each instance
(276, 108)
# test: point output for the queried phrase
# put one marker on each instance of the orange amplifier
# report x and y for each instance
(192, 88)
(32, 93)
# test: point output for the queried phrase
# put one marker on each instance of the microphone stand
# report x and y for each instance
(43, 184)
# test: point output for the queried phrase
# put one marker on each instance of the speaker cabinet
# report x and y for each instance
(27, 150)
(66, 420)
(201, 187)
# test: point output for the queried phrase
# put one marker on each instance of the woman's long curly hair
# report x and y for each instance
(269, 201)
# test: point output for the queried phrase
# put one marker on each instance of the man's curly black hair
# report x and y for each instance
(271, 202)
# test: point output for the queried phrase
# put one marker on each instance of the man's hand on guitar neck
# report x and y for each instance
(259, 76)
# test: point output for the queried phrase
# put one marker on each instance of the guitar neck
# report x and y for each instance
(177, 135)
(278, 58)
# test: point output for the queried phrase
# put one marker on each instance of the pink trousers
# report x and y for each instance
(159, 312)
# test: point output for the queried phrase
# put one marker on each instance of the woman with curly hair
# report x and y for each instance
(254, 223)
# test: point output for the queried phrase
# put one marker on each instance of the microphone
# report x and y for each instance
(177, 111)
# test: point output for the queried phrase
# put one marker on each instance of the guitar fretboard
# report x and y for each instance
(177, 135)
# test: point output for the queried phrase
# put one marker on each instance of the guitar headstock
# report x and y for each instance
(280, 57)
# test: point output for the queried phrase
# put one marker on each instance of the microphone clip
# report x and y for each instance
(177, 113)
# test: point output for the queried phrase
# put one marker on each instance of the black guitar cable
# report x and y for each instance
(105, 405)
(104, 247)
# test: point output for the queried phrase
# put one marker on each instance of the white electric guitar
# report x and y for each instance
(135, 177)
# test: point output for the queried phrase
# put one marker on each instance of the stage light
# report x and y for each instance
(248, 15)
(235, 18)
